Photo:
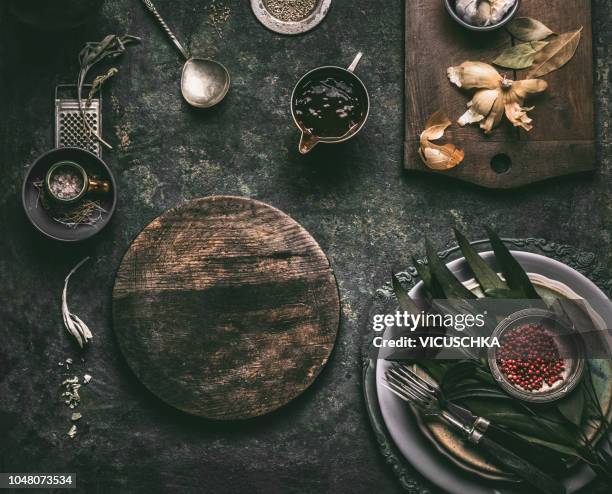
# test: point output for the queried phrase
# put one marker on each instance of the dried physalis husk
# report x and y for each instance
(470, 75)
(434, 156)
(495, 96)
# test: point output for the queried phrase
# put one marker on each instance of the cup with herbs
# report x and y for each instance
(69, 194)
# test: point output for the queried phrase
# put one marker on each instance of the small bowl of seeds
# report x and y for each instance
(290, 16)
(539, 358)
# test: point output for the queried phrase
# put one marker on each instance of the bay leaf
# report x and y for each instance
(556, 54)
(519, 56)
(528, 29)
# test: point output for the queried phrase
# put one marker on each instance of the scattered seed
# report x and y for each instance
(72, 432)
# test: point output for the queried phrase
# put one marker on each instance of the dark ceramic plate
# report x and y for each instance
(399, 429)
(40, 217)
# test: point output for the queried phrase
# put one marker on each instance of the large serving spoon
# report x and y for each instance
(204, 82)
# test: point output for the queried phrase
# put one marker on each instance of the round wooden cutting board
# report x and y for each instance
(225, 308)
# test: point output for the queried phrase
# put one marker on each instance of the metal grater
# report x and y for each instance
(69, 128)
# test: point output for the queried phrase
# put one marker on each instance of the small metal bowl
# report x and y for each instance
(450, 7)
(571, 349)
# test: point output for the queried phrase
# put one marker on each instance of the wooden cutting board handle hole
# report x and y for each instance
(501, 163)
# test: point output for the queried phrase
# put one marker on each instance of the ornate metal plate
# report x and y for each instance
(583, 262)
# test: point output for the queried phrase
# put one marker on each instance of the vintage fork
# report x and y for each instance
(402, 381)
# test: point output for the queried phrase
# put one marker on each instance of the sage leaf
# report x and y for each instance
(73, 323)
(484, 274)
(519, 56)
(513, 272)
(452, 287)
(109, 48)
(404, 300)
(572, 406)
(528, 29)
(556, 54)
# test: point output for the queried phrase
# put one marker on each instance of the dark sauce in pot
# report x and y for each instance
(329, 103)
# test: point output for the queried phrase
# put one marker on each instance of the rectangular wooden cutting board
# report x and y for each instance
(562, 140)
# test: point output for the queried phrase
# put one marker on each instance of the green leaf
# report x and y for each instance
(458, 373)
(503, 413)
(435, 368)
(559, 448)
(504, 294)
(452, 287)
(513, 272)
(534, 427)
(519, 56)
(431, 284)
(476, 393)
(472, 389)
(404, 300)
(572, 406)
(528, 29)
(484, 274)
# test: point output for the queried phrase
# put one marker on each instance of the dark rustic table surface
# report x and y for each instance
(366, 212)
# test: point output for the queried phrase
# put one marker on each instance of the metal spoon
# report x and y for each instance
(204, 82)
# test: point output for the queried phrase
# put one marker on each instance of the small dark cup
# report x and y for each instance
(450, 7)
(307, 140)
(88, 184)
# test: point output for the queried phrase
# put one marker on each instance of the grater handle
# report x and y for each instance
(149, 5)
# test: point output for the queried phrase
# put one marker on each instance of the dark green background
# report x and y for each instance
(366, 212)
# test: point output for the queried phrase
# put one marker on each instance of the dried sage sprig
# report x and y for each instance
(98, 82)
(112, 46)
(73, 323)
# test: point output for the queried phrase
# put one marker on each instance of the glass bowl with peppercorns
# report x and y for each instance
(539, 359)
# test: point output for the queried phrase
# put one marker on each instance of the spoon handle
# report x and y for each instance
(149, 5)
